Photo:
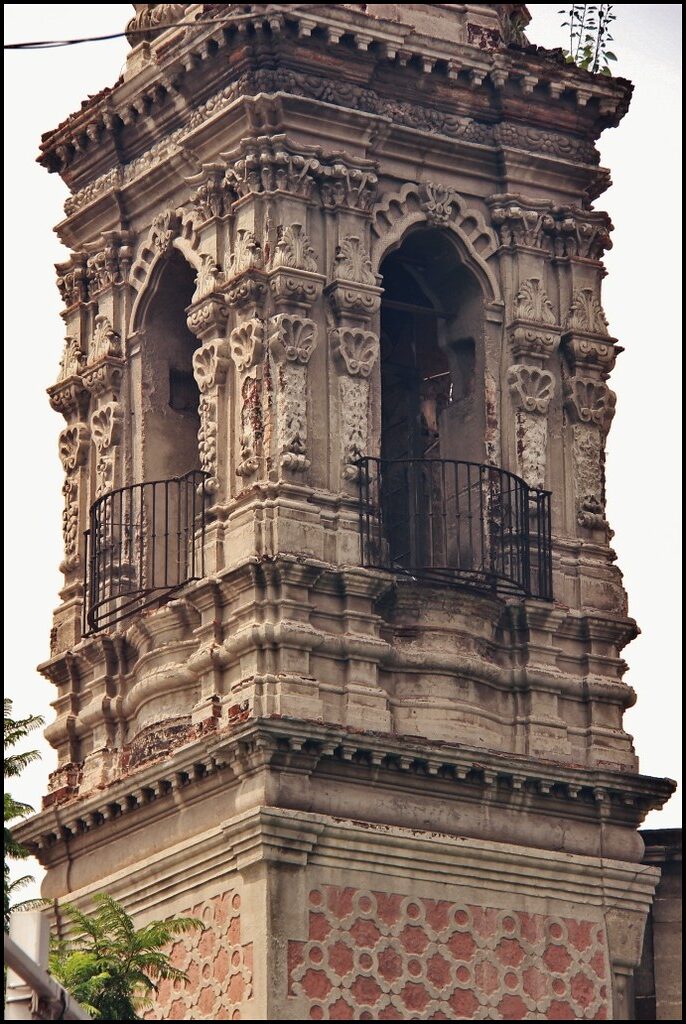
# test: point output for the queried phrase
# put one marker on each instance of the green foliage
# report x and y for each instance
(589, 34)
(111, 968)
(14, 731)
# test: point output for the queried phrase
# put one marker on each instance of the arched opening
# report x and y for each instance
(432, 408)
(170, 393)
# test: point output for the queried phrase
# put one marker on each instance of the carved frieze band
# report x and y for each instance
(73, 450)
(559, 231)
(355, 351)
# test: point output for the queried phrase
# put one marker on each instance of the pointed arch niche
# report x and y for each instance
(166, 392)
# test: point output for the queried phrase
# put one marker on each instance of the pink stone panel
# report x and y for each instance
(219, 967)
(385, 956)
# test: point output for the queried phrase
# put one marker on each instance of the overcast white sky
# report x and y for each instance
(642, 299)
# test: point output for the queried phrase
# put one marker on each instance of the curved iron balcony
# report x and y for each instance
(454, 522)
(143, 542)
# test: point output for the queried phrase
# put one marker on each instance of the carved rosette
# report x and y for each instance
(355, 351)
(590, 406)
(73, 451)
(292, 340)
(210, 365)
(247, 344)
(105, 426)
(531, 389)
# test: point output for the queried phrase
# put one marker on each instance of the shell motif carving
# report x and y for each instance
(247, 344)
(531, 388)
(292, 338)
(357, 350)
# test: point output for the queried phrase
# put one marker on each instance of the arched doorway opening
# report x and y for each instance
(432, 411)
(170, 394)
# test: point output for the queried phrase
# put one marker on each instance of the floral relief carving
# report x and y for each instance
(106, 342)
(247, 344)
(292, 338)
(532, 303)
(252, 426)
(72, 361)
(210, 364)
(165, 228)
(73, 451)
(247, 253)
(294, 251)
(531, 388)
(356, 349)
(437, 202)
(354, 404)
(586, 314)
(590, 401)
(72, 279)
(352, 262)
(111, 264)
(208, 279)
(106, 431)
(292, 341)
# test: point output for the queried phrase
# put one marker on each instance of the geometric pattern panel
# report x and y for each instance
(219, 968)
(386, 956)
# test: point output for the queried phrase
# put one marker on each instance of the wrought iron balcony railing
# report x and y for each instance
(455, 523)
(143, 542)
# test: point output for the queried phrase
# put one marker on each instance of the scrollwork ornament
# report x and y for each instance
(437, 202)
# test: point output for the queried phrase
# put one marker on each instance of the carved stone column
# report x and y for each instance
(207, 318)
(589, 403)
(355, 299)
(534, 336)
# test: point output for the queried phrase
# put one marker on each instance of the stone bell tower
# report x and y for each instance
(338, 656)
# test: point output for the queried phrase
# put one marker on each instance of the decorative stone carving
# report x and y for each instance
(106, 342)
(73, 451)
(532, 303)
(534, 333)
(521, 222)
(210, 364)
(560, 231)
(356, 350)
(212, 196)
(247, 344)
(532, 390)
(586, 314)
(111, 264)
(352, 262)
(347, 186)
(268, 165)
(150, 17)
(590, 355)
(292, 340)
(165, 228)
(293, 250)
(247, 253)
(72, 279)
(437, 202)
(207, 319)
(72, 361)
(590, 401)
(208, 279)
(590, 405)
(105, 427)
